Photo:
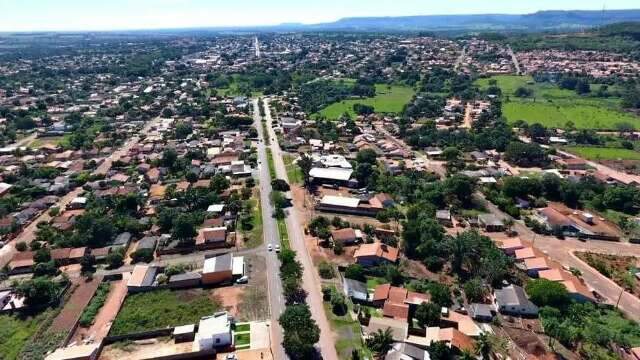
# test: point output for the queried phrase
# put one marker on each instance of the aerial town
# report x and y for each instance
(308, 195)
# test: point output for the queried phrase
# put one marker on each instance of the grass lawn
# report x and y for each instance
(15, 332)
(348, 333)
(294, 173)
(271, 164)
(554, 107)
(254, 238)
(284, 235)
(161, 309)
(372, 282)
(243, 327)
(387, 100)
(54, 140)
(242, 340)
(600, 153)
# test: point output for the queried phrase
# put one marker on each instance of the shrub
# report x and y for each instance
(21, 246)
(326, 270)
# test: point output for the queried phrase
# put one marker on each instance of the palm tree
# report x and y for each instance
(380, 341)
(466, 355)
(484, 346)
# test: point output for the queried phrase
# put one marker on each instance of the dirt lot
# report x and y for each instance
(106, 315)
(73, 308)
(251, 303)
(147, 349)
(630, 166)
(616, 268)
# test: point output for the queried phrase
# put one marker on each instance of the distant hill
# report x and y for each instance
(539, 21)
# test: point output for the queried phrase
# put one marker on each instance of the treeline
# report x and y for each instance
(315, 95)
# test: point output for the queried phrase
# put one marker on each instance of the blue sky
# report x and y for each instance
(26, 15)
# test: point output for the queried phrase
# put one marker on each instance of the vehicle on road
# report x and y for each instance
(269, 247)
(277, 248)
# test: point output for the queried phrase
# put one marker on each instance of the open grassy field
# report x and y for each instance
(388, 99)
(554, 107)
(601, 153)
(161, 309)
(15, 332)
(294, 173)
(254, 237)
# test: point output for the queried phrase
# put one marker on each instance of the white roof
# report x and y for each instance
(340, 201)
(184, 329)
(488, 180)
(331, 173)
(4, 186)
(215, 208)
(214, 324)
(238, 266)
(79, 200)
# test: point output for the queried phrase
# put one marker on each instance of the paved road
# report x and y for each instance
(310, 280)
(516, 64)
(28, 233)
(561, 251)
(271, 236)
(460, 58)
(256, 45)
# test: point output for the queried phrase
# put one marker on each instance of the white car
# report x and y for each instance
(269, 247)
(277, 248)
(243, 280)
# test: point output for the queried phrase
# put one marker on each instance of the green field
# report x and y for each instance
(161, 309)
(600, 153)
(294, 173)
(388, 99)
(15, 332)
(554, 107)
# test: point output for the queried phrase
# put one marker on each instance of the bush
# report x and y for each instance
(326, 270)
(115, 260)
(543, 292)
(142, 255)
(355, 272)
(91, 311)
(21, 246)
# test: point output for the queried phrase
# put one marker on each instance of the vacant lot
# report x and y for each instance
(16, 330)
(161, 309)
(388, 99)
(600, 153)
(554, 107)
(294, 173)
(620, 269)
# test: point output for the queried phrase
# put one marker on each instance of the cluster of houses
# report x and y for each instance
(597, 64)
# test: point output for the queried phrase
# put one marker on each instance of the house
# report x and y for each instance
(481, 312)
(76, 352)
(77, 203)
(375, 254)
(396, 302)
(346, 236)
(218, 269)
(572, 163)
(211, 238)
(334, 175)
(352, 205)
(184, 333)
(444, 217)
(451, 337)
(577, 223)
(185, 280)
(491, 222)
(399, 329)
(213, 332)
(524, 253)
(356, 290)
(464, 323)
(404, 351)
(4, 188)
(509, 246)
(21, 263)
(215, 208)
(535, 265)
(514, 301)
(142, 278)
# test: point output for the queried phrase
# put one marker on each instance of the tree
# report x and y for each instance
(338, 303)
(191, 177)
(300, 331)
(184, 228)
(380, 341)
(474, 290)
(523, 92)
(115, 259)
(169, 157)
(326, 270)
(440, 294)
(38, 291)
(583, 87)
(305, 163)
(142, 255)
(438, 350)
(355, 272)
(183, 129)
(543, 292)
(21, 246)
(280, 185)
(525, 155)
(428, 314)
(88, 263)
(368, 156)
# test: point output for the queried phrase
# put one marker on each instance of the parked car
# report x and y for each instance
(243, 280)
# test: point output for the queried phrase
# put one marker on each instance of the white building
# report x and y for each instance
(213, 331)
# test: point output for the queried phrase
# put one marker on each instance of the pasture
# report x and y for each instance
(389, 99)
(554, 107)
(601, 153)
